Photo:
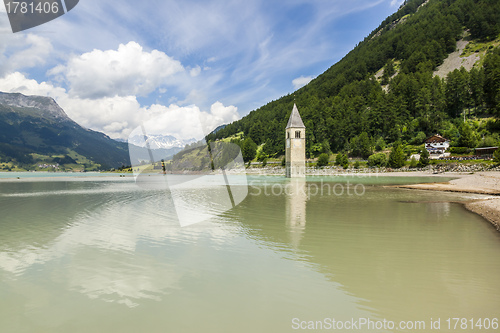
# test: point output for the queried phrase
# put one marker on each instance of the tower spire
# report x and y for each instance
(295, 120)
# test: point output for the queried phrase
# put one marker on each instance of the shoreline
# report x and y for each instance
(486, 183)
(487, 208)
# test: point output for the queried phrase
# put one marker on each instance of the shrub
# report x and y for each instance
(419, 138)
(459, 150)
(496, 156)
(413, 162)
(377, 160)
(342, 160)
(338, 159)
(260, 155)
(323, 160)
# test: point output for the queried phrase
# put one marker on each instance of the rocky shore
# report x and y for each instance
(333, 170)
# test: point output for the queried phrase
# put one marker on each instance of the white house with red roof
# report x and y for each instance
(436, 145)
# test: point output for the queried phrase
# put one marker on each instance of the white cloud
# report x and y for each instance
(220, 114)
(396, 2)
(301, 81)
(117, 116)
(127, 71)
(35, 54)
(246, 51)
(23, 51)
(251, 46)
(188, 121)
(195, 71)
(17, 82)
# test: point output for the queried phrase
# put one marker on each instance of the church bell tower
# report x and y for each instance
(295, 150)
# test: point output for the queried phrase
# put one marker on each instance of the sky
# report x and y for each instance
(114, 65)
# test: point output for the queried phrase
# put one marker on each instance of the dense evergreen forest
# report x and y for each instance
(348, 107)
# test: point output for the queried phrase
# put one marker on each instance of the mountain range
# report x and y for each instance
(33, 129)
(403, 82)
(36, 130)
(158, 141)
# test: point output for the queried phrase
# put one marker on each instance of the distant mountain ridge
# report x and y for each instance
(37, 125)
(48, 106)
(159, 141)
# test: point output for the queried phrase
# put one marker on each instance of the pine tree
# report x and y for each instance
(424, 158)
(248, 149)
(380, 144)
(397, 156)
(467, 137)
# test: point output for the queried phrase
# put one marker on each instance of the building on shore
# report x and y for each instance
(436, 145)
(485, 152)
(295, 150)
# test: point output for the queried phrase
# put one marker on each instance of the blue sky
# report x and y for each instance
(115, 65)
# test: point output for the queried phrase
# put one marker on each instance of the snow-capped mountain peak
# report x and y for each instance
(159, 141)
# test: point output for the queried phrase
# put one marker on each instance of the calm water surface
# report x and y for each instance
(99, 254)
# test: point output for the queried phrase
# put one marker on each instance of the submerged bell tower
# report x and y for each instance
(295, 150)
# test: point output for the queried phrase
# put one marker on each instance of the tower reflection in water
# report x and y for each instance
(296, 199)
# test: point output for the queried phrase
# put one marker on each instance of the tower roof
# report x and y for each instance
(295, 121)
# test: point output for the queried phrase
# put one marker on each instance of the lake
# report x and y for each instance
(104, 254)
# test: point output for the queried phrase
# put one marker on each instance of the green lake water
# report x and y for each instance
(102, 254)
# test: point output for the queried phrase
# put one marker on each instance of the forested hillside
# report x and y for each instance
(405, 101)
